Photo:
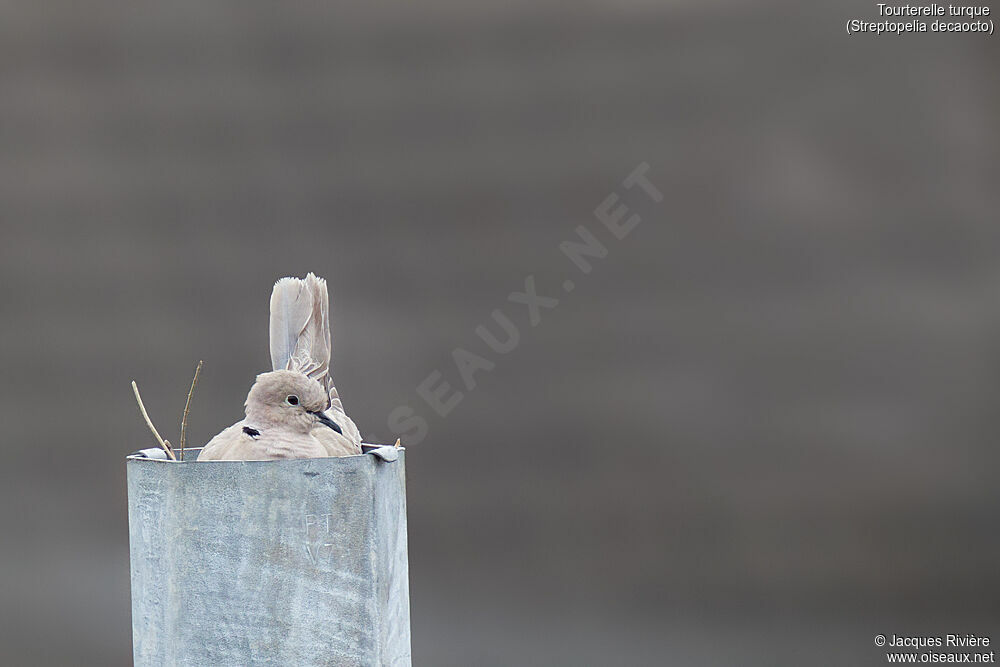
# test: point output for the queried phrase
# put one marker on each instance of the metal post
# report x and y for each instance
(298, 562)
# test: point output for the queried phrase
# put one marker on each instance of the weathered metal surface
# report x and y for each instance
(285, 563)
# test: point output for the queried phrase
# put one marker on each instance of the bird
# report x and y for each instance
(294, 410)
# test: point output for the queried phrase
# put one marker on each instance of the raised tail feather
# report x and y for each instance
(300, 330)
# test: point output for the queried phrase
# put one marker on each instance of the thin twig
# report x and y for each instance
(142, 408)
(187, 408)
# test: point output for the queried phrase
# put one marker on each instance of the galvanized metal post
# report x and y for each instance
(299, 562)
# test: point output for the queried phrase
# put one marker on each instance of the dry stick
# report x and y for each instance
(187, 407)
(149, 423)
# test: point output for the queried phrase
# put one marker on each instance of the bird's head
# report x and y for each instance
(290, 398)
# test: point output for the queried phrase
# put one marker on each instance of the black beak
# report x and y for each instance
(327, 421)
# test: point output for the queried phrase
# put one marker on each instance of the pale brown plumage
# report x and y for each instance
(300, 346)
(283, 409)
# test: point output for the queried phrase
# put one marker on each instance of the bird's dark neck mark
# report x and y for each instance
(252, 432)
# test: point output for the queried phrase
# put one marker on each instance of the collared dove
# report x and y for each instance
(293, 411)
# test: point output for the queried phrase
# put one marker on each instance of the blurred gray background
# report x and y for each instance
(761, 431)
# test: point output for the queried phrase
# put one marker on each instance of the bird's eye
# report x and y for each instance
(292, 400)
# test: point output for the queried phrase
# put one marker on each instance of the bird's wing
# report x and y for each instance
(351, 432)
(335, 444)
(225, 444)
(345, 443)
